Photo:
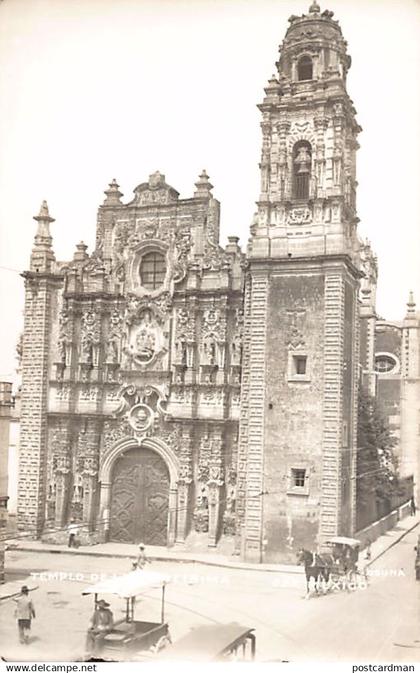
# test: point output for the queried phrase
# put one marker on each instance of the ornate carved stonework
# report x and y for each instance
(145, 339)
(141, 407)
(90, 335)
(294, 330)
(114, 431)
(299, 216)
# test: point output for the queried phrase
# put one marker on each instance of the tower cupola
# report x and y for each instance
(313, 48)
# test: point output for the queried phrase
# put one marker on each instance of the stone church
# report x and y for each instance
(176, 392)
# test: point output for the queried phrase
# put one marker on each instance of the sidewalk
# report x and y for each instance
(389, 539)
(176, 554)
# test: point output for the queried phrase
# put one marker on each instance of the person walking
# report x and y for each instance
(141, 558)
(72, 530)
(413, 508)
(24, 613)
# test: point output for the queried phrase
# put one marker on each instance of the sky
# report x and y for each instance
(92, 90)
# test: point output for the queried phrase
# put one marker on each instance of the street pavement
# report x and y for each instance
(377, 623)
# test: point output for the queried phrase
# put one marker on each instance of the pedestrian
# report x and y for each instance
(141, 558)
(368, 554)
(413, 506)
(24, 612)
(102, 622)
(72, 530)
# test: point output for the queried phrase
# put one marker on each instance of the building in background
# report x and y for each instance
(178, 392)
(6, 408)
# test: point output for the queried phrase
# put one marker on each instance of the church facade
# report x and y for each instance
(178, 392)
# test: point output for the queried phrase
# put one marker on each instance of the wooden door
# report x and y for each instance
(140, 498)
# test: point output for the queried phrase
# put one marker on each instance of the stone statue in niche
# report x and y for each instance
(62, 350)
(209, 353)
(181, 353)
(235, 353)
(112, 350)
(146, 338)
(87, 352)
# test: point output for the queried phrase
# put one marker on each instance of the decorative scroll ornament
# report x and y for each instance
(299, 216)
(141, 406)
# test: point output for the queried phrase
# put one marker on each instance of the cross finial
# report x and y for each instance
(314, 8)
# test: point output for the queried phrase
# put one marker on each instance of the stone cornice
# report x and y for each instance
(286, 264)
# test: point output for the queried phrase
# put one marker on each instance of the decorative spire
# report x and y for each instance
(43, 237)
(113, 194)
(314, 8)
(411, 306)
(204, 186)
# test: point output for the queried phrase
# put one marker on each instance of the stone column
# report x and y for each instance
(214, 512)
(184, 485)
(104, 510)
(182, 500)
(172, 516)
(214, 485)
(62, 494)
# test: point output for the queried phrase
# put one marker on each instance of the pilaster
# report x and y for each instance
(254, 486)
(332, 405)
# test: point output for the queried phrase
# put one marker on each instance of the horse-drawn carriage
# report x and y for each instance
(336, 570)
(345, 554)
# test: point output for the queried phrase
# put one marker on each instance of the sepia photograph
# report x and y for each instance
(210, 333)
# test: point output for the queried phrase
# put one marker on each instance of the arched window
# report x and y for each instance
(305, 68)
(152, 270)
(302, 159)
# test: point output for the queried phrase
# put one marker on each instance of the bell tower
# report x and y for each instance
(299, 398)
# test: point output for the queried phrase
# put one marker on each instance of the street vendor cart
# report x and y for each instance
(129, 636)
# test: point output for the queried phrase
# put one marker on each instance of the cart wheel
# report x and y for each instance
(161, 643)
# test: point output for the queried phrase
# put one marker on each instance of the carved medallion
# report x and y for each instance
(141, 418)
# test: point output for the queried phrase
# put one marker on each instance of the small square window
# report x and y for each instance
(299, 365)
(298, 478)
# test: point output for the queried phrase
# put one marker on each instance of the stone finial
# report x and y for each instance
(113, 194)
(314, 8)
(411, 305)
(80, 255)
(44, 214)
(203, 185)
(42, 237)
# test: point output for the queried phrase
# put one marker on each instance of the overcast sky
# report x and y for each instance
(96, 89)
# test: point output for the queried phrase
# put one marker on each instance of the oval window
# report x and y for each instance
(385, 364)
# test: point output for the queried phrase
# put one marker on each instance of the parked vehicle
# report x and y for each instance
(129, 636)
(214, 642)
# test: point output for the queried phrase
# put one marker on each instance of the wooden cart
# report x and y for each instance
(129, 636)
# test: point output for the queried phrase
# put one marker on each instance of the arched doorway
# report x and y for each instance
(140, 498)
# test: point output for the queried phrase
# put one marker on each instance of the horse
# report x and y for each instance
(316, 565)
